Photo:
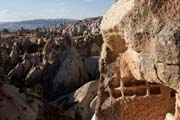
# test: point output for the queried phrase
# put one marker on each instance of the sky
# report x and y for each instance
(19, 10)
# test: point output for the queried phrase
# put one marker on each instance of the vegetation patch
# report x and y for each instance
(38, 89)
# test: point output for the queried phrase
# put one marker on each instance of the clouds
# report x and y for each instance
(4, 11)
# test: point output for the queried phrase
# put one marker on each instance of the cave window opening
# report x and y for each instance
(155, 90)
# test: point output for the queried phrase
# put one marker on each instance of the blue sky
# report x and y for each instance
(18, 10)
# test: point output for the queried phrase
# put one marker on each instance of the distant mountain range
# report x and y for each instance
(32, 24)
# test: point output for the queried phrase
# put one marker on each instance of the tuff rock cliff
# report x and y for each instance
(139, 63)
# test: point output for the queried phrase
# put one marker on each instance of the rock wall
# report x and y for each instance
(141, 42)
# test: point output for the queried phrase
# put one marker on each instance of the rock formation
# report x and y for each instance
(51, 62)
(141, 43)
(24, 106)
(64, 68)
(80, 105)
(20, 106)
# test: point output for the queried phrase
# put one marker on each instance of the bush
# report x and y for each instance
(38, 89)
(40, 49)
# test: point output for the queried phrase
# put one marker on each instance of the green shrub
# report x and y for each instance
(38, 89)
(40, 49)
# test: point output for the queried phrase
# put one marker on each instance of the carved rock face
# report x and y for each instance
(141, 42)
(145, 37)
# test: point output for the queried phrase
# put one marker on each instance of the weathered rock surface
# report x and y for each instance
(141, 42)
(15, 106)
(88, 45)
(145, 36)
(71, 72)
(46, 62)
(79, 102)
(25, 106)
(65, 68)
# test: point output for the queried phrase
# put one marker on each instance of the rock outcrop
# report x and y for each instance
(25, 106)
(141, 42)
(20, 106)
(64, 69)
(50, 62)
(80, 105)
(88, 45)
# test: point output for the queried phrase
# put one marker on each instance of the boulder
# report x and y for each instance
(77, 104)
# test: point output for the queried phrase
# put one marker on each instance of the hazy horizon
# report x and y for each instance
(21, 10)
(49, 19)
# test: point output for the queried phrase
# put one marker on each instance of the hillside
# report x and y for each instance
(32, 24)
